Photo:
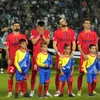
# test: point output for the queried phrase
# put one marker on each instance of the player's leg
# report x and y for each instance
(69, 83)
(46, 84)
(80, 77)
(57, 80)
(33, 76)
(41, 82)
(11, 72)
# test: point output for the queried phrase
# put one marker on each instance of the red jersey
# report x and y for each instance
(12, 41)
(63, 37)
(87, 38)
(34, 35)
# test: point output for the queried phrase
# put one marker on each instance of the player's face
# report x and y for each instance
(23, 45)
(67, 50)
(44, 48)
(93, 49)
(87, 25)
(63, 23)
(16, 27)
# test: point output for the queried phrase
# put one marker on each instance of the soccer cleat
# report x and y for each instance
(48, 94)
(45, 96)
(95, 93)
(16, 95)
(79, 93)
(61, 95)
(27, 95)
(21, 93)
(9, 94)
(57, 93)
(39, 96)
(72, 95)
(91, 95)
(31, 93)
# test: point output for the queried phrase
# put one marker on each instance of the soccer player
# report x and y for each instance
(44, 61)
(91, 66)
(66, 65)
(85, 38)
(63, 35)
(38, 35)
(22, 64)
(12, 44)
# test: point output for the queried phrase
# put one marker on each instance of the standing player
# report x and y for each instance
(22, 64)
(38, 35)
(12, 44)
(63, 35)
(85, 38)
(66, 64)
(91, 66)
(44, 62)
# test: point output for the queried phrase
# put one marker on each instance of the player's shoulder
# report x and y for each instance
(34, 30)
(70, 29)
(47, 31)
(57, 31)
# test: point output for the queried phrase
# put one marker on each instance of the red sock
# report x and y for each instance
(25, 87)
(79, 82)
(40, 90)
(57, 82)
(21, 86)
(94, 86)
(10, 84)
(46, 88)
(89, 88)
(33, 79)
(17, 86)
(62, 88)
(69, 87)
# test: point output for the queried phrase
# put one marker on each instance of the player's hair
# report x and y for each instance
(86, 19)
(21, 41)
(41, 23)
(65, 46)
(16, 23)
(43, 43)
(91, 45)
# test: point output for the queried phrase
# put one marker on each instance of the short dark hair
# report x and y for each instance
(16, 23)
(41, 23)
(91, 45)
(21, 41)
(86, 19)
(65, 46)
(43, 43)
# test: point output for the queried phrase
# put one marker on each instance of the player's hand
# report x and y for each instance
(85, 57)
(46, 65)
(35, 67)
(61, 73)
(9, 62)
(50, 66)
(99, 73)
(20, 71)
(71, 73)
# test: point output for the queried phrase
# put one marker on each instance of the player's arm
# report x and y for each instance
(47, 40)
(35, 40)
(16, 63)
(72, 71)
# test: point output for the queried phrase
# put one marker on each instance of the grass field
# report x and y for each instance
(3, 89)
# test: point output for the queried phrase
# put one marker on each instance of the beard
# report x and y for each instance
(17, 30)
(64, 25)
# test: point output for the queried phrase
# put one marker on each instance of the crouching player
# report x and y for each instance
(44, 61)
(22, 64)
(66, 65)
(91, 66)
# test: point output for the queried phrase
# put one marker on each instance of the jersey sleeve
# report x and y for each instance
(32, 36)
(6, 43)
(55, 36)
(79, 42)
(96, 38)
(16, 61)
(38, 61)
(73, 36)
(47, 35)
(60, 60)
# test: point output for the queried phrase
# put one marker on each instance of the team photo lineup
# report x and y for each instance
(19, 60)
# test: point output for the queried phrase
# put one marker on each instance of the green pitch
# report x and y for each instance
(3, 89)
